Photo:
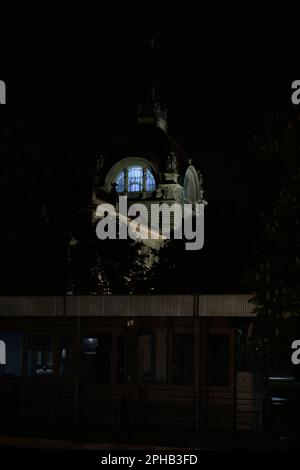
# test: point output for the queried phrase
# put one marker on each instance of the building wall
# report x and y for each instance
(144, 370)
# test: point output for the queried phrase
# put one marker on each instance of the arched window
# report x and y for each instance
(191, 185)
(135, 179)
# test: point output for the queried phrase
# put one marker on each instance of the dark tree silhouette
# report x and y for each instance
(277, 280)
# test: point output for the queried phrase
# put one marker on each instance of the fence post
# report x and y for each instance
(125, 415)
(197, 372)
(76, 401)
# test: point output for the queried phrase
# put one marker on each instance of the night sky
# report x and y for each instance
(74, 79)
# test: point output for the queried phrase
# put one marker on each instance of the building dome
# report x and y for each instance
(150, 143)
(148, 163)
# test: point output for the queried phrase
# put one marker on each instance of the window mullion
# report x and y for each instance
(144, 179)
(126, 180)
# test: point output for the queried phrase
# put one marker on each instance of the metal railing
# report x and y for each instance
(221, 410)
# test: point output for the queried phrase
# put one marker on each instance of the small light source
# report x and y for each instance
(90, 345)
(130, 323)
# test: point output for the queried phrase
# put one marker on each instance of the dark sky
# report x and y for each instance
(74, 78)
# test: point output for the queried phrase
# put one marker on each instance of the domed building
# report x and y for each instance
(148, 166)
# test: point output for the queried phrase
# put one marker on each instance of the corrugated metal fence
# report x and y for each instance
(128, 306)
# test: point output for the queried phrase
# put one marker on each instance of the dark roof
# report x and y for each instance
(150, 142)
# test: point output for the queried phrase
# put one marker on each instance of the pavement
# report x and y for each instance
(94, 436)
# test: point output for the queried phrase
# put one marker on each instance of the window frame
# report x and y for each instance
(145, 180)
(122, 165)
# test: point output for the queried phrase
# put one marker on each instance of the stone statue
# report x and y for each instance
(114, 188)
(99, 163)
(200, 176)
(171, 163)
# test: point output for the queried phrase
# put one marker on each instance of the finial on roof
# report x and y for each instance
(150, 110)
(152, 43)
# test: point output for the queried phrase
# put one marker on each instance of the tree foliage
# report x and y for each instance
(277, 280)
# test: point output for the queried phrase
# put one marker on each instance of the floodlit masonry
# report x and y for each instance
(137, 223)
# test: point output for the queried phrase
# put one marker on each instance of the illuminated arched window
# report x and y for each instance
(135, 179)
(192, 190)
